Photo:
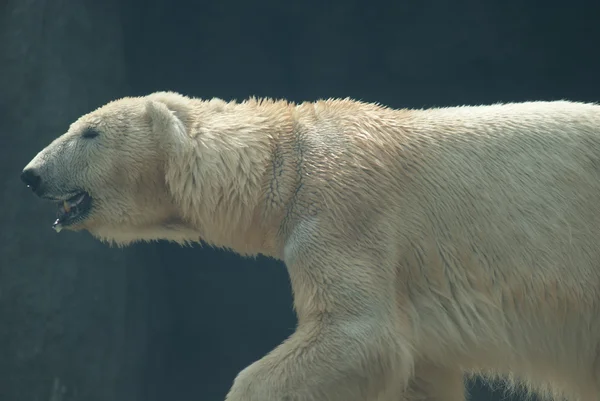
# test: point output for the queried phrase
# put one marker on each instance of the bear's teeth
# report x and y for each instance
(57, 226)
(66, 206)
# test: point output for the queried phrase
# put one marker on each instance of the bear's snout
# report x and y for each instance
(32, 178)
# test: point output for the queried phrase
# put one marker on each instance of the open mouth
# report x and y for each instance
(72, 210)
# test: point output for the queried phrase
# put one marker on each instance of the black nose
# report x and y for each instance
(31, 178)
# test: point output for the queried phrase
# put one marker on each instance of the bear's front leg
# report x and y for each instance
(349, 344)
(324, 361)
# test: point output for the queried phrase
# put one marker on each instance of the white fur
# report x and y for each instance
(421, 244)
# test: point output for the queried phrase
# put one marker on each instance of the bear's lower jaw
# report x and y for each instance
(123, 235)
(72, 211)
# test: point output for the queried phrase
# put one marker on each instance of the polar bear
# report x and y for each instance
(421, 245)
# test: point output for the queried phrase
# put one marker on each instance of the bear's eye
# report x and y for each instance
(89, 134)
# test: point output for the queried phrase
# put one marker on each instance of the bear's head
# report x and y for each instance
(107, 173)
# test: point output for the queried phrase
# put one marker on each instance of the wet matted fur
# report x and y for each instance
(420, 244)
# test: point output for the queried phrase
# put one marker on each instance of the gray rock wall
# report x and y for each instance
(83, 322)
(74, 315)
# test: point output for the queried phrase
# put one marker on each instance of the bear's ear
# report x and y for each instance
(172, 137)
(167, 127)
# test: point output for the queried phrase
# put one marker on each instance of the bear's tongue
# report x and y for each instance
(67, 210)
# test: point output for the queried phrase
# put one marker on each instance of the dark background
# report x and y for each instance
(81, 321)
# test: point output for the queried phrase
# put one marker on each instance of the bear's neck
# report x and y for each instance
(238, 187)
